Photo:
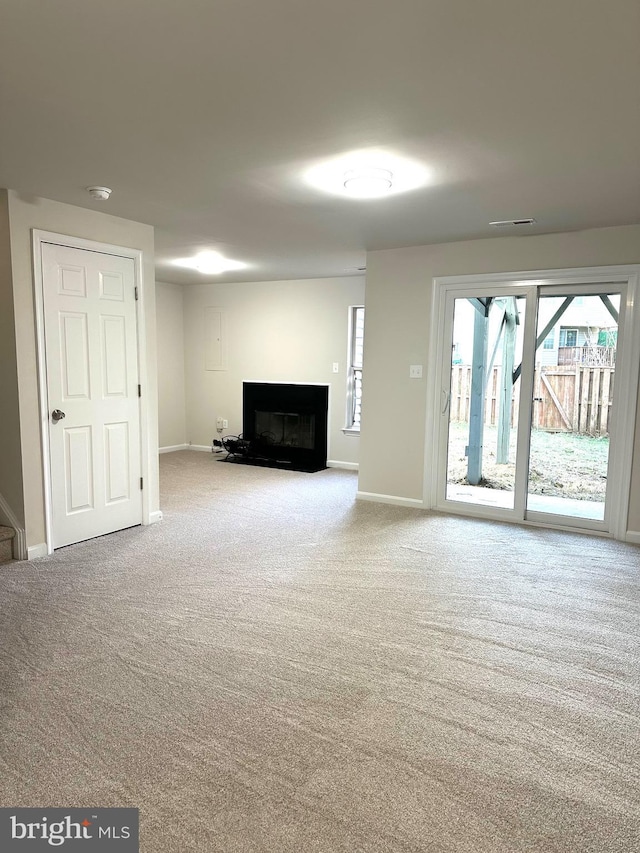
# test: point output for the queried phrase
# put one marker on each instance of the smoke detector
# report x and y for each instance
(99, 193)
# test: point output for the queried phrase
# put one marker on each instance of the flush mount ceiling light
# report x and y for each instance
(210, 263)
(367, 174)
(368, 182)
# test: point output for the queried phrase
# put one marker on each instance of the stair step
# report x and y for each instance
(6, 533)
(6, 544)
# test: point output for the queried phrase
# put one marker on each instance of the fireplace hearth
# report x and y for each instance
(285, 425)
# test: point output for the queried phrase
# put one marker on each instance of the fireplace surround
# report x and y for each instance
(285, 424)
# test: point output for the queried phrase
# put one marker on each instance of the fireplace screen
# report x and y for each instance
(284, 424)
(286, 429)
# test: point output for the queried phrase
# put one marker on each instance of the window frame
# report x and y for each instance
(549, 342)
(354, 370)
(564, 331)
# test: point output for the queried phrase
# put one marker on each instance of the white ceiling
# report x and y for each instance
(202, 115)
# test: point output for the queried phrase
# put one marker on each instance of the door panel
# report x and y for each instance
(91, 355)
(576, 348)
(112, 286)
(486, 356)
(117, 462)
(78, 469)
(114, 356)
(71, 280)
(74, 341)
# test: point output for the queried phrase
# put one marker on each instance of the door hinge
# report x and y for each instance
(135, 291)
(141, 483)
(139, 390)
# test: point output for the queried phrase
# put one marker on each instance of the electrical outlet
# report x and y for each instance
(415, 371)
(219, 423)
(225, 424)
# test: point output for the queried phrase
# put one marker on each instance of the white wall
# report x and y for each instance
(172, 420)
(399, 291)
(10, 452)
(25, 214)
(279, 331)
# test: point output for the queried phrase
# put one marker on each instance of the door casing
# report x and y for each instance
(38, 239)
(627, 371)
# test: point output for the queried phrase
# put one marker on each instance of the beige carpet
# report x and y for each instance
(277, 669)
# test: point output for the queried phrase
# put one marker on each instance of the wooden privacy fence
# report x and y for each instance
(566, 399)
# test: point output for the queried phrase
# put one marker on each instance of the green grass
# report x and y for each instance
(562, 463)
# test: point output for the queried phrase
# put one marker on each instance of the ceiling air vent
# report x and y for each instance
(501, 223)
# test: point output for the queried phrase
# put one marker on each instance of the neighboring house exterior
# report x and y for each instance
(586, 333)
(588, 345)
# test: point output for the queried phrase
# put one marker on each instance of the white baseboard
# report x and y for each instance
(415, 503)
(155, 517)
(171, 448)
(633, 536)
(205, 447)
(35, 551)
(347, 466)
(7, 517)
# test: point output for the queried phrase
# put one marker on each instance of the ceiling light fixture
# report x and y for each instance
(368, 182)
(210, 263)
(369, 173)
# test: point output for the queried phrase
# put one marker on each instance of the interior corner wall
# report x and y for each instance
(399, 294)
(25, 214)
(172, 423)
(273, 331)
(634, 502)
(10, 448)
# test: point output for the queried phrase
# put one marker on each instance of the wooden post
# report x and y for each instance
(476, 406)
(575, 424)
(584, 401)
(595, 390)
(606, 398)
(506, 381)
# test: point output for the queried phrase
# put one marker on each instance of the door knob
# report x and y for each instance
(57, 415)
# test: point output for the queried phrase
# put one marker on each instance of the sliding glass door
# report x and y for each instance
(527, 401)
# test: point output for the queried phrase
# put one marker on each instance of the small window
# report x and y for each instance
(354, 378)
(568, 337)
(549, 341)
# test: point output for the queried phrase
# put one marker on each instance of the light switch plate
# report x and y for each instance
(336, 367)
(415, 371)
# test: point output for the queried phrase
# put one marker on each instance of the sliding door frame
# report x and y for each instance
(622, 430)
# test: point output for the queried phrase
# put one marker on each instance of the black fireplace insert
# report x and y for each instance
(285, 425)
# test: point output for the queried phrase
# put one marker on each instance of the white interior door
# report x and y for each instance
(92, 386)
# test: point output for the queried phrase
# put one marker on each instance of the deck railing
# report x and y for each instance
(587, 356)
